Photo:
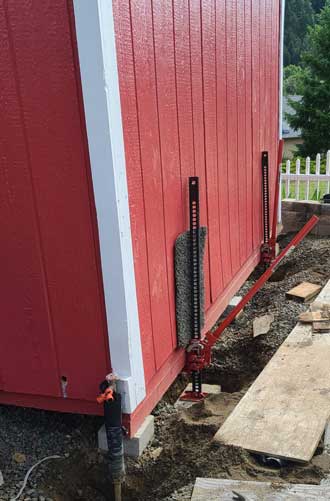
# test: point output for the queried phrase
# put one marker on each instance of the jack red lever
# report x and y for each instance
(199, 352)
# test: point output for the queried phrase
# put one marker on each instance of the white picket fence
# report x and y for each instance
(307, 185)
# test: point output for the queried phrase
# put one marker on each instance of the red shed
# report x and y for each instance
(107, 108)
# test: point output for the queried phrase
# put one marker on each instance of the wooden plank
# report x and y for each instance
(223, 163)
(241, 132)
(210, 124)
(248, 122)
(321, 327)
(232, 134)
(209, 489)
(286, 409)
(304, 291)
(256, 148)
(27, 336)
(145, 81)
(166, 91)
(319, 306)
(197, 93)
(314, 316)
(47, 80)
(127, 82)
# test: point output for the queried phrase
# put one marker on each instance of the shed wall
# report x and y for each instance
(51, 309)
(199, 94)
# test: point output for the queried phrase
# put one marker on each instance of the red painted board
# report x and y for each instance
(144, 61)
(27, 357)
(241, 132)
(211, 157)
(232, 125)
(166, 88)
(222, 147)
(183, 70)
(131, 129)
(46, 87)
(248, 125)
(256, 124)
(198, 123)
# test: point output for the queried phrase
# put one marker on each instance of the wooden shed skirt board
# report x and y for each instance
(285, 411)
(208, 489)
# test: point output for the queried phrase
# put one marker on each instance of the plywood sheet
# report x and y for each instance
(208, 489)
(286, 409)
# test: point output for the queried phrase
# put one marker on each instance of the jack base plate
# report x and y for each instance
(193, 396)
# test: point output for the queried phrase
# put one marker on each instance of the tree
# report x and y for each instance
(299, 15)
(318, 5)
(293, 80)
(312, 113)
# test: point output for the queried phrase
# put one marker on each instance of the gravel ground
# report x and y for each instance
(182, 448)
(28, 435)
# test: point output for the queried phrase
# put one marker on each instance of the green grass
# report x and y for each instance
(323, 189)
(313, 194)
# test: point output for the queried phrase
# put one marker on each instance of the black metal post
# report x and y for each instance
(196, 274)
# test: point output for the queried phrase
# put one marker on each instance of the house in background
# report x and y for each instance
(292, 138)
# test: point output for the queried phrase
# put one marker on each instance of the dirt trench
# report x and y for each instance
(182, 448)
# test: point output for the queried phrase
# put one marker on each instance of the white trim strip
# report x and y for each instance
(99, 75)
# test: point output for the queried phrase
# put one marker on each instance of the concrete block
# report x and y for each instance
(325, 209)
(289, 215)
(322, 230)
(324, 219)
(277, 248)
(326, 439)
(293, 221)
(314, 208)
(309, 207)
(294, 205)
(315, 231)
(231, 305)
(135, 445)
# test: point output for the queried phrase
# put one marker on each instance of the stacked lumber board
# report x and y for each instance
(285, 411)
(208, 489)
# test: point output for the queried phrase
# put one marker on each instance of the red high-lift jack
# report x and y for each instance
(199, 349)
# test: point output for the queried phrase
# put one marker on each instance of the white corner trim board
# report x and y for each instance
(99, 76)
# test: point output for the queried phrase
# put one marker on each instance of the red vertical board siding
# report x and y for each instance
(163, 35)
(222, 136)
(241, 121)
(25, 310)
(248, 125)
(50, 278)
(145, 74)
(184, 96)
(256, 124)
(125, 57)
(274, 46)
(232, 125)
(210, 131)
(199, 81)
(198, 117)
